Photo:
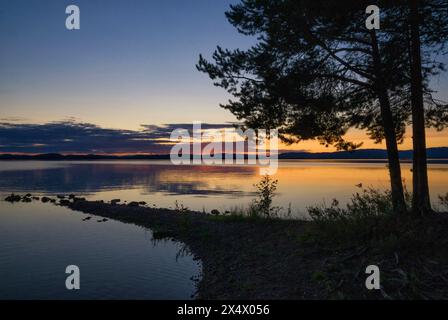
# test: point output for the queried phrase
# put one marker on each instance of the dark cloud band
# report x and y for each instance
(77, 137)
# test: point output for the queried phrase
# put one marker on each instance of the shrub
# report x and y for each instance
(265, 192)
(368, 215)
(179, 207)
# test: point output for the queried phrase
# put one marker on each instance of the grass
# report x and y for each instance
(368, 216)
(411, 251)
(261, 207)
(239, 213)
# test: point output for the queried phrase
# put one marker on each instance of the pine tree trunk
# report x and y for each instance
(398, 202)
(421, 203)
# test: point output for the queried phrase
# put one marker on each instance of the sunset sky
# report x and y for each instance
(132, 63)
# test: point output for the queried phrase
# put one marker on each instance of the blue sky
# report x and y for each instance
(131, 63)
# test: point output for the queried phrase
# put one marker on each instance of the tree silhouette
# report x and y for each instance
(428, 30)
(420, 29)
(315, 72)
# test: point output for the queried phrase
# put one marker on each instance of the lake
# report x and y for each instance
(122, 261)
(301, 183)
(116, 260)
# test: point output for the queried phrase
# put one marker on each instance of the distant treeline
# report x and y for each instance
(432, 153)
(363, 154)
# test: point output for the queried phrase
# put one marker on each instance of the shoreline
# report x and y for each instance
(241, 258)
(277, 259)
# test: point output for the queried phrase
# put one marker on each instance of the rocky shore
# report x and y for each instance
(241, 258)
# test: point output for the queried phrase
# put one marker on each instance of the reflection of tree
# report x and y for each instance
(94, 177)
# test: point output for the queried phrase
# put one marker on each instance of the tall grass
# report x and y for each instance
(368, 215)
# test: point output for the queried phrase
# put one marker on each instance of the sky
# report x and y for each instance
(132, 64)
(132, 55)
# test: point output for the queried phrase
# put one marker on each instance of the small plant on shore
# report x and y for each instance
(265, 193)
(444, 201)
(179, 207)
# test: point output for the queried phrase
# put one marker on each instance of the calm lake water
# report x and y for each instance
(301, 183)
(117, 260)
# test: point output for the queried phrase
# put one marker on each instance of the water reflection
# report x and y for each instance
(91, 177)
(301, 183)
(116, 260)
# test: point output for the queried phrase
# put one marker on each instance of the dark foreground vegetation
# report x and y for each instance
(251, 257)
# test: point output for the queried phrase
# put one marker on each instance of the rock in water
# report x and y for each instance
(64, 202)
(115, 201)
(133, 204)
(13, 198)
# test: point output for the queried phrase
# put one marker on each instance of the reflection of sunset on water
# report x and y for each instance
(301, 183)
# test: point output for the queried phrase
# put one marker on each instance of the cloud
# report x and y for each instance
(166, 129)
(77, 137)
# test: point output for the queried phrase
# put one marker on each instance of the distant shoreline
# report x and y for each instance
(435, 155)
(328, 160)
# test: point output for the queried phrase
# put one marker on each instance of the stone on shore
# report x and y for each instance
(45, 199)
(64, 202)
(115, 201)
